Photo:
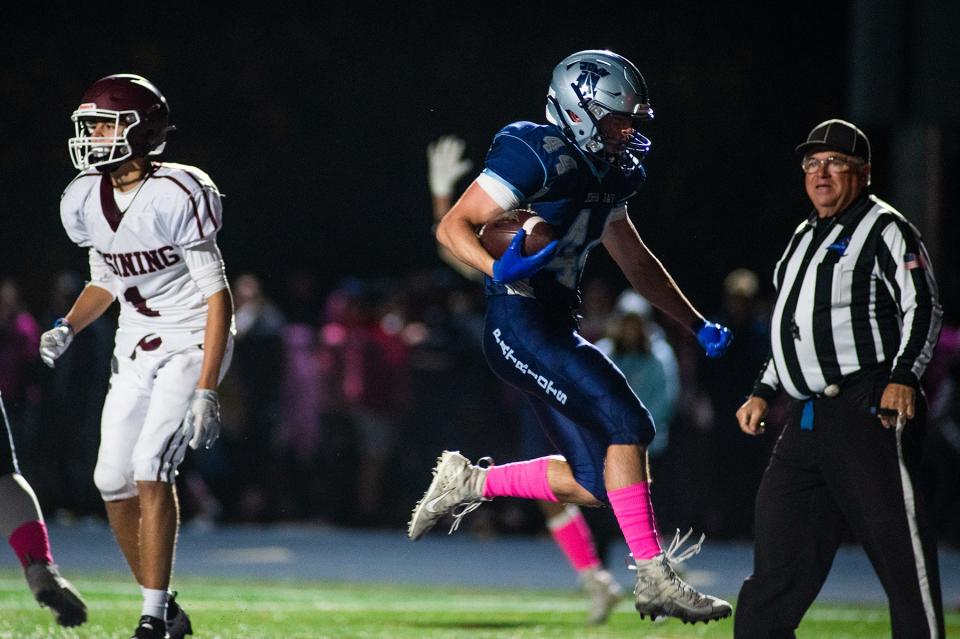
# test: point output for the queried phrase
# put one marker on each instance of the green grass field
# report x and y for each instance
(234, 609)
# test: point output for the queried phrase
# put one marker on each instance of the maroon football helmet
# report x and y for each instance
(134, 117)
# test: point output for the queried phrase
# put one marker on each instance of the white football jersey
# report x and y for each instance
(141, 243)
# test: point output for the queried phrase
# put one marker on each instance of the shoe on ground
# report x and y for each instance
(178, 622)
(456, 489)
(604, 592)
(150, 628)
(51, 590)
(660, 592)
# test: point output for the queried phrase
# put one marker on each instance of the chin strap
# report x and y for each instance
(585, 105)
(565, 126)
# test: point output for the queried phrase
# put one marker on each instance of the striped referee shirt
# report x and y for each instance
(853, 291)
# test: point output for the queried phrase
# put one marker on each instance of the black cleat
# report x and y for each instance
(178, 623)
(150, 628)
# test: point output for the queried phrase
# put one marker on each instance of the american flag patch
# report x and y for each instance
(914, 260)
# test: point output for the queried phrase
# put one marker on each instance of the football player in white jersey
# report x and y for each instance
(150, 229)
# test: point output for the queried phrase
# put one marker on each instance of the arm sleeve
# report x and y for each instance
(767, 381)
(515, 164)
(905, 267)
(101, 275)
(506, 197)
(206, 267)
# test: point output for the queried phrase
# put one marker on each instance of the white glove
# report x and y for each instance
(446, 164)
(55, 342)
(202, 422)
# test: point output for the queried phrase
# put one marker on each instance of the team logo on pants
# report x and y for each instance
(546, 384)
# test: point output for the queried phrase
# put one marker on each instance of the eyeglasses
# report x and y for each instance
(835, 164)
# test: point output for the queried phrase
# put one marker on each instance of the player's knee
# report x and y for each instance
(591, 485)
(114, 483)
(151, 469)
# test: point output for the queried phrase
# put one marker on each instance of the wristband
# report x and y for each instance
(63, 322)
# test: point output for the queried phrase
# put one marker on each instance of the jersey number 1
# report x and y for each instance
(133, 296)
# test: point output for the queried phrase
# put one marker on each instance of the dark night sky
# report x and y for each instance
(315, 124)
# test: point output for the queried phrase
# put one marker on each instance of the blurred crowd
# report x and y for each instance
(337, 402)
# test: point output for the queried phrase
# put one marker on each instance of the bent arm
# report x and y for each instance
(441, 206)
(646, 274)
(456, 231)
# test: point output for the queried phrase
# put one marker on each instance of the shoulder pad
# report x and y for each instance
(192, 178)
(544, 138)
(81, 181)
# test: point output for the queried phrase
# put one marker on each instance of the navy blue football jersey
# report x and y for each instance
(534, 166)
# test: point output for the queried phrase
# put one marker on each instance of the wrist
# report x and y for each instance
(905, 377)
(63, 322)
(763, 391)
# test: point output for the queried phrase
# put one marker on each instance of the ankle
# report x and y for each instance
(155, 603)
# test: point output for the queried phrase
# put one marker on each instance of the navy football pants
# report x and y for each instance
(581, 398)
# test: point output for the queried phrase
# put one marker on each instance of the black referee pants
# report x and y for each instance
(848, 471)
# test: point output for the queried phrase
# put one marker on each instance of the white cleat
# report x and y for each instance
(51, 590)
(661, 593)
(457, 489)
(604, 592)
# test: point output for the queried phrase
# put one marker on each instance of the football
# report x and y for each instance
(496, 235)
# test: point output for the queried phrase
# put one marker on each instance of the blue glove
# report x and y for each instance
(513, 266)
(714, 338)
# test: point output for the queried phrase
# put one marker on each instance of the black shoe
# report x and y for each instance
(50, 589)
(178, 623)
(150, 628)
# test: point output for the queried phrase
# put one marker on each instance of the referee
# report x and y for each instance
(853, 328)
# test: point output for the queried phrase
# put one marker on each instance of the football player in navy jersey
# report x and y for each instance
(577, 172)
(566, 523)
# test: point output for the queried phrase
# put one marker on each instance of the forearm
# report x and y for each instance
(922, 320)
(92, 302)
(219, 312)
(457, 236)
(441, 205)
(649, 277)
(465, 270)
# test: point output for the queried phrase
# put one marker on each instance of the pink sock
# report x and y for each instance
(526, 479)
(634, 512)
(31, 543)
(569, 529)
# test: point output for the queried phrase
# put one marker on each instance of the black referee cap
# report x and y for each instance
(837, 135)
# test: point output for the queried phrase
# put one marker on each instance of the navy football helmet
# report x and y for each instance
(139, 115)
(589, 85)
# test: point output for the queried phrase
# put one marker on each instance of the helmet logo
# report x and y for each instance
(87, 106)
(590, 74)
